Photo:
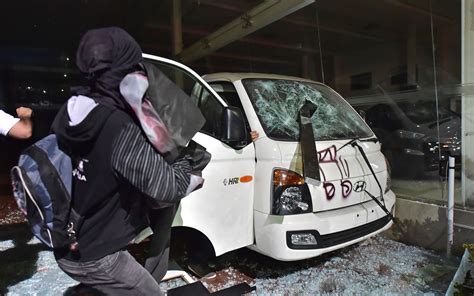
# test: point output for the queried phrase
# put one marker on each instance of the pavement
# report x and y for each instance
(378, 266)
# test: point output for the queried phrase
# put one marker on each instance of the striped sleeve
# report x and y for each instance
(137, 161)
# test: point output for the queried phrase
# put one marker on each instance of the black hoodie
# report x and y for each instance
(113, 163)
(114, 167)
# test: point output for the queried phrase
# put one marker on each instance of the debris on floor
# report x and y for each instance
(375, 267)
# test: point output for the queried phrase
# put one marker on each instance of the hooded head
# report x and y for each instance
(106, 56)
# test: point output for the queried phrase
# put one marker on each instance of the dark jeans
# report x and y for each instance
(115, 274)
(158, 256)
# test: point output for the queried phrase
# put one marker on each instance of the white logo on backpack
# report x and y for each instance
(78, 172)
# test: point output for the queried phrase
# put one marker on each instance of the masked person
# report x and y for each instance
(114, 169)
(19, 128)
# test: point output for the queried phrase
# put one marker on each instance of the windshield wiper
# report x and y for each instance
(372, 139)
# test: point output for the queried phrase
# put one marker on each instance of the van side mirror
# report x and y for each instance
(233, 125)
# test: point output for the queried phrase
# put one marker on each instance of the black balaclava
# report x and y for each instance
(106, 56)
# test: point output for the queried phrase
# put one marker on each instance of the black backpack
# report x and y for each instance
(42, 184)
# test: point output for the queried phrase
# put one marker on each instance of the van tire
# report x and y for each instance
(192, 244)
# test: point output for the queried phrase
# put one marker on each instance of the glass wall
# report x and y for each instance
(399, 63)
(403, 78)
(407, 66)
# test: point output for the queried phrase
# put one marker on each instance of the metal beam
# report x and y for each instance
(283, 44)
(418, 10)
(232, 55)
(254, 19)
(296, 20)
(265, 60)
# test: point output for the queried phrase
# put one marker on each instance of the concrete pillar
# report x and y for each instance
(467, 77)
(340, 81)
(310, 68)
(177, 36)
(443, 58)
(411, 56)
(177, 28)
(448, 60)
(305, 66)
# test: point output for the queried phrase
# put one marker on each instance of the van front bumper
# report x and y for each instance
(332, 230)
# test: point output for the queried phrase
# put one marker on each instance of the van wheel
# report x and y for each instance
(193, 251)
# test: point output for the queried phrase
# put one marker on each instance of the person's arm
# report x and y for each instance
(135, 160)
(20, 128)
(24, 127)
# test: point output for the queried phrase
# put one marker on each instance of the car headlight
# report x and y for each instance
(290, 193)
(388, 183)
(403, 134)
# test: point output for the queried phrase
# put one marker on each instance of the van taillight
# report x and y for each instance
(290, 193)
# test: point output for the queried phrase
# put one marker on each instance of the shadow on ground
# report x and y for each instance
(19, 262)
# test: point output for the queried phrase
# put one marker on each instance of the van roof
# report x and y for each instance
(228, 76)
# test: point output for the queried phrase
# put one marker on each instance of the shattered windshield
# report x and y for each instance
(277, 103)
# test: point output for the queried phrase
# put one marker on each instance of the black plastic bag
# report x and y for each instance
(181, 117)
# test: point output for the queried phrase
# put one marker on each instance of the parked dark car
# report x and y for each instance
(408, 132)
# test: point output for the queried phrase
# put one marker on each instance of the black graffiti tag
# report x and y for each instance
(346, 186)
(328, 155)
(330, 190)
(360, 186)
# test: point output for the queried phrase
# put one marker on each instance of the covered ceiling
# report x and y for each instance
(54, 27)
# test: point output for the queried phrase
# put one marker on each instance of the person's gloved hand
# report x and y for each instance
(200, 157)
(184, 162)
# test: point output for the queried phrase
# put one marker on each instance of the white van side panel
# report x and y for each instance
(268, 158)
(223, 208)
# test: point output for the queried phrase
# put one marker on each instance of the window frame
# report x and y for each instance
(188, 71)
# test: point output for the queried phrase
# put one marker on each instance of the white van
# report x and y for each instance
(254, 193)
